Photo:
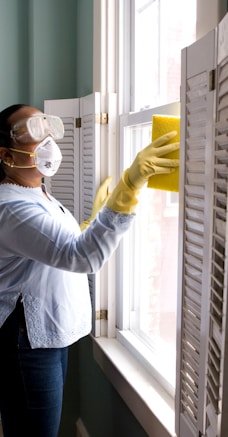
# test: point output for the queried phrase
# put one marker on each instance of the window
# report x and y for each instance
(149, 259)
(150, 251)
(160, 28)
(142, 88)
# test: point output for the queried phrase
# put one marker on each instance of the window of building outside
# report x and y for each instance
(160, 29)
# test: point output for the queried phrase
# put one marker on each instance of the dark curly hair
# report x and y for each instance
(5, 130)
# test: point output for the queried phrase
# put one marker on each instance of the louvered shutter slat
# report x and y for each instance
(194, 191)
(211, 431)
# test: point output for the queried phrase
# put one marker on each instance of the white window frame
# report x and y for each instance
(136, 346)
(153, 408)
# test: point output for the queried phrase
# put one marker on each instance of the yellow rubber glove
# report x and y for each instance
(101, 197)
(147, 163)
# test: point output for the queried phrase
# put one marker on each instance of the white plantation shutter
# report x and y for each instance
(76, 181)
(197, 106)
(64, 185)
(96, 163)
(90, 155)
(216, 401)
(202, 395)
(90, 180)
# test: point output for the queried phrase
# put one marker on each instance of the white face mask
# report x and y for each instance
(47, 157)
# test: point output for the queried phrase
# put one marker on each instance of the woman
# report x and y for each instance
(44, 262)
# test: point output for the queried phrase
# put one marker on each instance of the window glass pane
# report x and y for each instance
(152, 261)
(162, 29)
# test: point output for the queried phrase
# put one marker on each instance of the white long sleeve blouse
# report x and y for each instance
(45, 259)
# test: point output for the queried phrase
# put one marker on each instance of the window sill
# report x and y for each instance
(150, 404)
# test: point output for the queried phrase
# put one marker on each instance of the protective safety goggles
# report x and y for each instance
(36, 128)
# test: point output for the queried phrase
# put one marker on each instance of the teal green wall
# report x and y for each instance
(14, 77)
(52, 50)
(84, 48)
(90, 395)
(46, 50)
(101, 408)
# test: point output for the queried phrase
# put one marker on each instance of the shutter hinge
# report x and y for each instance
(78, 122)
(102, 118)
(102, 315)
(211, 80)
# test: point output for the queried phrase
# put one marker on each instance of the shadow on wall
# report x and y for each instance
(102, 410)
(70, 411)
(1, 433)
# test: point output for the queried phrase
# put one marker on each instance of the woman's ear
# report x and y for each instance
(5, 155)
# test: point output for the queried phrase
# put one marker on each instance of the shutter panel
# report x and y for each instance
(197, 106)
(90, 181)
(64, 185)
(89, 152)
(78, 178)
(216, 384)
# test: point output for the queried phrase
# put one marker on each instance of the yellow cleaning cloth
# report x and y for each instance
(161, 125)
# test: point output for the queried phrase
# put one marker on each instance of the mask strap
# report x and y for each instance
(19, 166)
(23, 151)
(31, 154)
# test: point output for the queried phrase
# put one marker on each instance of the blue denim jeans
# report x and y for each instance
(31, 382)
